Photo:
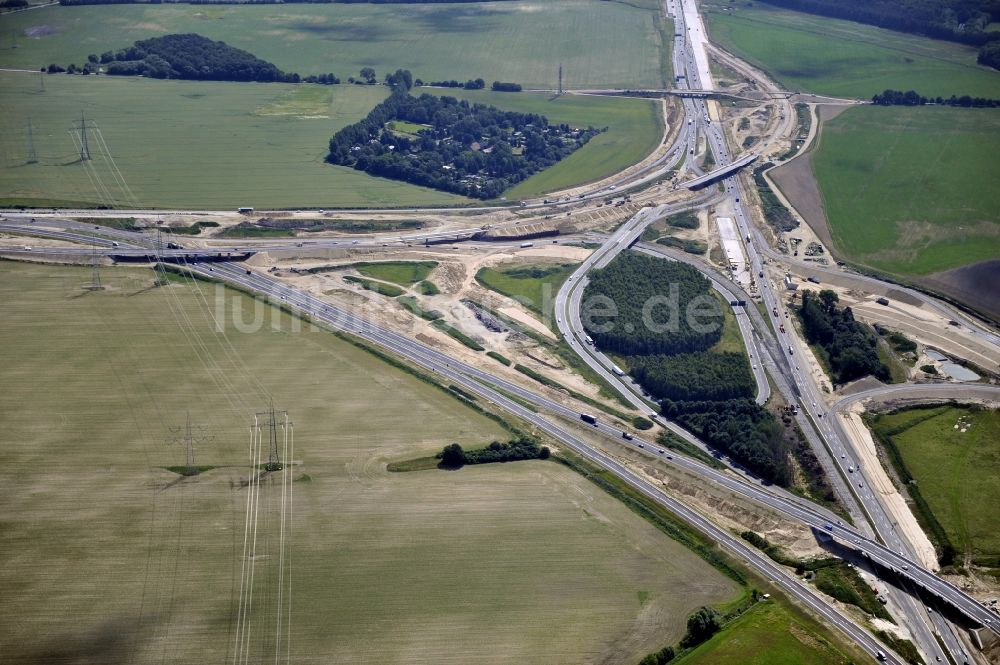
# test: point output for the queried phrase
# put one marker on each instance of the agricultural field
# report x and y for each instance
(187, 144)
(221, 145)
(107, 552)
(911, 191)
(533, 285)
(635, 129)
(769, 634)
(957, 472)
(846, 59)
(600, 44)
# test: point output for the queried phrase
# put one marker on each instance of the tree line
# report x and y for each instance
(849, 345)
(913, 98)
(963, 21)
(471, 84)
(469, 149)
(521, 448)
(189, 57)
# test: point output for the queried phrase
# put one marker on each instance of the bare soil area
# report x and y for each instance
(977, 285)
(796, 181)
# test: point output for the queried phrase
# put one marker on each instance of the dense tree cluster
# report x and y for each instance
(649, 319)
(500, 86)
(186, 56)
(962, 21)
(190, 57)
(849, 345)
(469, 149)
(913, 98)
(708, 393)
(742, 429)
(683, 220)
(694, 376)
(700, 626)
(989, 55)
(521, 448)
(661, 657)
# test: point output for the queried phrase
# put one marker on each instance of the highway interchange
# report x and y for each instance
(874, 537)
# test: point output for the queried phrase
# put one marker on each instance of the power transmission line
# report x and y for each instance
(32, 155)
(560, 80)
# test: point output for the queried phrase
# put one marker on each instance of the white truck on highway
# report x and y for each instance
(618, 371)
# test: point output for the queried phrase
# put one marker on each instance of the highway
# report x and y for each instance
(479, 381)
(811, 396)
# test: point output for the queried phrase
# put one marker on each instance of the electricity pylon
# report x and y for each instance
(269, 422)
(190, 435)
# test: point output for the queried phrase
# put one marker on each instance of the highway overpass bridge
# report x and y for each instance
(721, 173)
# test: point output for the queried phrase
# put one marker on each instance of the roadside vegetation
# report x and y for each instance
(777, 215)
(831, 575)
(404, 273)
(380, 288)
(534, 285)
(687, 245)
(411, 303)
(458, 335)
(847, 348)
(770, 633)
(270, 226)
(947, 460)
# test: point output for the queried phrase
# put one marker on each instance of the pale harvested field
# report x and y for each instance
(108, 557)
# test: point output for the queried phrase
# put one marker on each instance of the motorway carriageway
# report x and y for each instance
(441, 363)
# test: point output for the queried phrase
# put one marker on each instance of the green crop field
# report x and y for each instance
(533, 285)
(221, 145)
(911, 190)
(843, 58)
(107, 553)
(635, 128)
(600, 44)
(768, 634)
(958, 472)
(403, 273)
(189, 144)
